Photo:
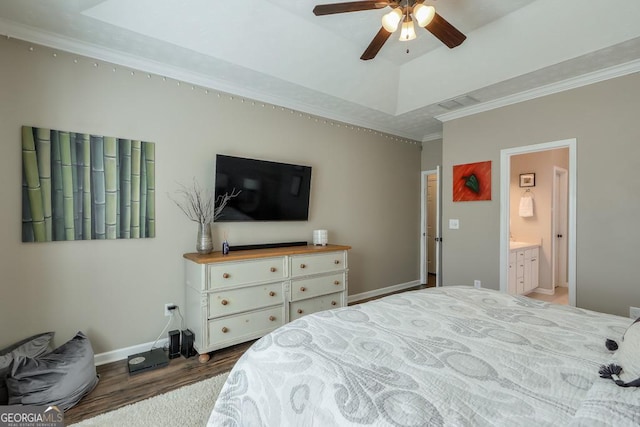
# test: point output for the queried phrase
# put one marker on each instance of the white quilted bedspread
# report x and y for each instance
(452, 356)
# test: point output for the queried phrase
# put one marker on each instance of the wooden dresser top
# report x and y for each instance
(217, 256)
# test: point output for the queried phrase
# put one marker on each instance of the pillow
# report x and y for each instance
(30, 347)
(59, 378)
(628, 354)
(625, 369)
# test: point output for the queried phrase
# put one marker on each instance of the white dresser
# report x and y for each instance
(246, 294)
(523, 267)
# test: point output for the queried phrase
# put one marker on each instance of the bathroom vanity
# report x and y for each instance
(523, 267)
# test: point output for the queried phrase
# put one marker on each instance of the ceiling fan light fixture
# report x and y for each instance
(423, 14)
(403, 12)
(391, 20)
(408, 32)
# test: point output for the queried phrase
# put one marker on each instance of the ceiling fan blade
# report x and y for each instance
(352, 6)
(447, 33)
(376, 44)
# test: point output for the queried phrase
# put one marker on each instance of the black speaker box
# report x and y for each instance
(266, 246)
(174, 344)
(186, 348)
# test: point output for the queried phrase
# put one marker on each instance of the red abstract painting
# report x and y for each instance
(472, 182)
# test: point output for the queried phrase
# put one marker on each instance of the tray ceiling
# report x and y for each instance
(277, 51)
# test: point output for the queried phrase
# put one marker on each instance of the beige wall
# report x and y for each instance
(538, 228)
(431, 154)
(365, 191)
(604, 120)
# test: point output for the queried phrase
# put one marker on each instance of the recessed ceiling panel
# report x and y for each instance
(278, 51)
(261, 37)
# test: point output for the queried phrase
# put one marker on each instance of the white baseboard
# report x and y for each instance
(123, 353)
(382, 291)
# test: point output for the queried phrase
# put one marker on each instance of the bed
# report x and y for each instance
(450, 356)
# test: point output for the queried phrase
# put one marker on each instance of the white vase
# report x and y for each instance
(204, 244)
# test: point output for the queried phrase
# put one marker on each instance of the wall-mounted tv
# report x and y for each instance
(269, 191)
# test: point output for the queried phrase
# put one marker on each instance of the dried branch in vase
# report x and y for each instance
(199, 205)
(221, 202)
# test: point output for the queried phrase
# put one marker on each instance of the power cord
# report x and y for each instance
(181, 318)
(171, 308)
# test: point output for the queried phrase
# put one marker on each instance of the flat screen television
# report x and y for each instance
(269, 191)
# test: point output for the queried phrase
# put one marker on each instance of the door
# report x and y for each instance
(432, 233)
(430, 248)
(559, 227)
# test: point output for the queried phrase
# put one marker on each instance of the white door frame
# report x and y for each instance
(559, 224)
(505, 174)
(423, 226)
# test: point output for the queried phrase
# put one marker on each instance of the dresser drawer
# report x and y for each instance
(319, 285)
(243, 327)
(298, 309)
(230, 301)
(303, 265)
(250, 271)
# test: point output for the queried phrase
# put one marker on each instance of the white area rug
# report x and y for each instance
(187, 406)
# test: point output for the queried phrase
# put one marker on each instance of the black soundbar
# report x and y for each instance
(266, 246)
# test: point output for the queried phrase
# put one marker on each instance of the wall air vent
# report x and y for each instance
(459, 102)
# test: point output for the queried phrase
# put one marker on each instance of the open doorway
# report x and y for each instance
(430, 248)
(537, 225)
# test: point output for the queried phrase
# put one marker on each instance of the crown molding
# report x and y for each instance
(432, 136)
(37, 36)
(564, 85)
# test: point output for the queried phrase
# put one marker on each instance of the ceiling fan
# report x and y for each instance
(400, 16)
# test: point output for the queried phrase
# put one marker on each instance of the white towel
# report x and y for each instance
(526, 206)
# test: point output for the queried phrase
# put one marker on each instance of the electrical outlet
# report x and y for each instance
(634, 312)
(477, 284)
(168, 312)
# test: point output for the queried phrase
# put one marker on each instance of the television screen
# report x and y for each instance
(269, 191)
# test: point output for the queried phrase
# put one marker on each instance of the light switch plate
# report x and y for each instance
(454, 224)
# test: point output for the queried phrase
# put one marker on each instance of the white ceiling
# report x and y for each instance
(278, 51)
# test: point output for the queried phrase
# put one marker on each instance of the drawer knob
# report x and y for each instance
(272, 318)
(225, 330)
(333, 303)
(273, 269)
(303, 266)
(224, 302)
(272, 294)
(336, 261)
(299, 311)
(337, 282)
(225, 275)
(302, 289)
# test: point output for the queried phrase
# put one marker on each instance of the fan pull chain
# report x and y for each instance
(407, 13)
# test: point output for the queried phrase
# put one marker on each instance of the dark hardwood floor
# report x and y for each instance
(117, 388)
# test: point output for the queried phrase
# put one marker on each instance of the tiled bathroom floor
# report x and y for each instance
(561, 296)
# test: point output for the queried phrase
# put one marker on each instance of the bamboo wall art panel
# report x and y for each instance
(78, 186)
